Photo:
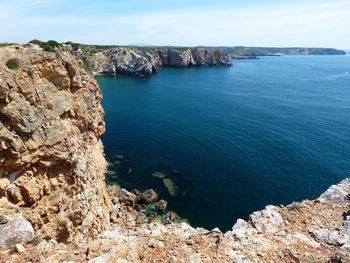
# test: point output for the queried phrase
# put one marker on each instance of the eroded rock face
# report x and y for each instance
(51, 156)
(144, 62)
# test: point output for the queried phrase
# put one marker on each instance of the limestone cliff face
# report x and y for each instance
(51, 157)
(143, 62)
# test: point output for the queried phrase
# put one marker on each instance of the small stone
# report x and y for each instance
(19, 248)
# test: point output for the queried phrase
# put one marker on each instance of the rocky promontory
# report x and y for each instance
(51, 157)
(144, 62)
(55, 205)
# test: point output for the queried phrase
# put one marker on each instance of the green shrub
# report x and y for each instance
(295, 206)
(13, 63)
(86, 65)
(30, 73)
(36, 240)
(7, 44)
(47, 46)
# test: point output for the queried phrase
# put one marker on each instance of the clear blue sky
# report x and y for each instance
(322, 23)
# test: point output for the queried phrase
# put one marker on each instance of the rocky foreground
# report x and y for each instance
(55, 206)
(144, 62)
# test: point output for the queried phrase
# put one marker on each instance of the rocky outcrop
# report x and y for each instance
(51, 157)
(144, 62)
(315, 231)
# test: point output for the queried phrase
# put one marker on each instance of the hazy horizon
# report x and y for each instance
(267, 23)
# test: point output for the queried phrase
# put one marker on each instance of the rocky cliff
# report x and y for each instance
(274, 51)
(143, 62)
(51, 156)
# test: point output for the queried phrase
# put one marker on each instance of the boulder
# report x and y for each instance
(161, 205)
(267, 220)
(330, 237)
(148, 196)
(14, 232)
(126, 197)
(337, 194)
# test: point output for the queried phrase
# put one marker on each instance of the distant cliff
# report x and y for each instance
(272, 51)
(145, 61)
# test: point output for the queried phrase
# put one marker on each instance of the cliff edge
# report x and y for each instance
(51, 157)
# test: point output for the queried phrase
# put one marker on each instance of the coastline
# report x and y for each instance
(55, 204)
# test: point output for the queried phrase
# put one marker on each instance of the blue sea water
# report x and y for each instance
(267, 131)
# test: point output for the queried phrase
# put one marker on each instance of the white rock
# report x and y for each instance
(17, 231)
(195, 258)
(19, 248)
(330, 237)
(267, 220)
(337, 194)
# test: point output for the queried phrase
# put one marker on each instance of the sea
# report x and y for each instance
(231, 139)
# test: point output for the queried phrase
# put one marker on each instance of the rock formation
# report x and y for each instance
(51, 158)
(143, 62)
(315, 231)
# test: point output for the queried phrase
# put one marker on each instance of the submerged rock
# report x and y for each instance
(159, 174)
(170, 186)
(120, 157)
(176, 171)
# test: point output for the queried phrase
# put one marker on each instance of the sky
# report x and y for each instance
(282, 23)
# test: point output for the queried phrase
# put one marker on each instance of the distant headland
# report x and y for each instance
(145, 60)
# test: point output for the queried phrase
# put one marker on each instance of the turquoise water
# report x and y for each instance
(267, 131)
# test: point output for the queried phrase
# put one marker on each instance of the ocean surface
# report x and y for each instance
(268, 131)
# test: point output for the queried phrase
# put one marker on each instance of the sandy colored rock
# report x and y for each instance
(51, 153)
